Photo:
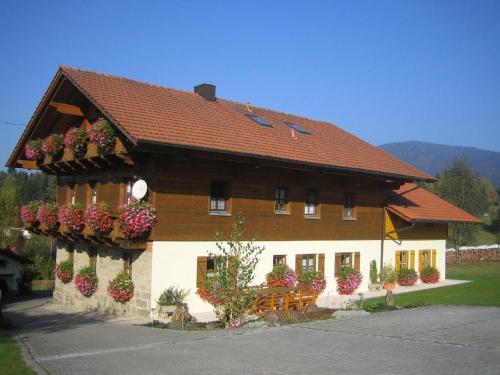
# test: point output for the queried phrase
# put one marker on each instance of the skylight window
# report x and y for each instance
(297, 127)
(259, 120)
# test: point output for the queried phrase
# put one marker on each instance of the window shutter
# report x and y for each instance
(357, 261)
(434, 254)
(338, 264)
(412, 259)
(398, 260)
(201, 271)
(321, 263)
(420, 260)
(298, 264)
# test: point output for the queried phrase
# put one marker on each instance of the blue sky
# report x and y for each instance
(384, 70)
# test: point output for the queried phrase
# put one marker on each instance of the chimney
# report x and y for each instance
(206, 90)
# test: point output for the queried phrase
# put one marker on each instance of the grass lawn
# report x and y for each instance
(11, 361)
(484, 289)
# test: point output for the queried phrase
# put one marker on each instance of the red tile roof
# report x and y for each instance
(150, 113)
(414, 203)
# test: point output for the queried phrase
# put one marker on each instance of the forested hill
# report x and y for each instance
(434, 158)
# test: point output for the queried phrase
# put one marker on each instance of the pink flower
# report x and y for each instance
(98, 218)
(53, 144)
(33, 149)
(76, 140)
(72, 216)
(47, 215)
(137, 219)
(102, 134)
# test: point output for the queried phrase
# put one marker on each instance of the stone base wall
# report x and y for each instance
(109, 264)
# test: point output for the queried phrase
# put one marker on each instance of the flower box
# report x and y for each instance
(67, 155)
(92, 151)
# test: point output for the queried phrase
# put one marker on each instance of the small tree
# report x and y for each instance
(235, 264)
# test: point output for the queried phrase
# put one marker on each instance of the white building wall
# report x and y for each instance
(175, 263)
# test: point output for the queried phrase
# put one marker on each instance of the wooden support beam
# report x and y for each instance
(67, 109)
(27, 164)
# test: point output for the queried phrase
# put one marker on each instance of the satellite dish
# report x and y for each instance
(139, 189)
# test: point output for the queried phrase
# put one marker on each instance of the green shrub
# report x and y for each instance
(373, 272)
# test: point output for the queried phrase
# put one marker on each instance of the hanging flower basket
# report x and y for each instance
(98, 218)
(429, 275)
(33, 150)
(121, 288)
(137, 220)
(72, 217)
(282, 276)
(29, 213)
(312, 281)
(64, 271)
(47, 216)
(53, 145)
(102, 134)
(76, 141)
(86, 281)
(348, 281)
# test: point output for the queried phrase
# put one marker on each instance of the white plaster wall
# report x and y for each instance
(174, 263)
(11, 272)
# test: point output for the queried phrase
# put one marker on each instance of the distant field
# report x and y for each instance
(484, 289)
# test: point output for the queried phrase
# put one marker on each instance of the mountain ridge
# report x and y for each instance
(433, 158)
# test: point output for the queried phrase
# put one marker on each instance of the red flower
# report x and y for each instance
(98, 217)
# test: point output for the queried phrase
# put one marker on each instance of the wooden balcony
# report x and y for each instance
(67, 163)
(113, 239)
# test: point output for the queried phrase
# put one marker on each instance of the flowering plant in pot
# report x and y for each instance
(29, 212)
(137, 220)
(53, 145)
(429, 275)
(98, 218)
(388, 276)
(121, 288)
(312, 281)
(47, 215)
(407, 277)
(75, 140)
(102, 134)
(64, 271)
(72, 217)
(33, 150)
(348, 281)
(86, 281)
(282, 276)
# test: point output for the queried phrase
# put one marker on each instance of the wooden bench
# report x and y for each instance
(271, 299)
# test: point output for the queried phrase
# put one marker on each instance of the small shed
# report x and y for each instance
(11, 269)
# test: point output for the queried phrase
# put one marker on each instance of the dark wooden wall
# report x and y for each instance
(180, 188)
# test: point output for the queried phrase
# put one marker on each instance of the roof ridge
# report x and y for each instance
(66, 67)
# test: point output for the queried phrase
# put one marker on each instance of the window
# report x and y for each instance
(349, 259)
(349, 203)
(278, 260)
(205, 267)
(310, 203)
(127, 263)
(426, 258)
(402, 260)
(218, 197)
(308, 262)
(405, 259)
(210, 267)
(259, 120)
(297, 127)
(280, 202)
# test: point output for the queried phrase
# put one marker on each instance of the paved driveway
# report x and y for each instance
(430, 340)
